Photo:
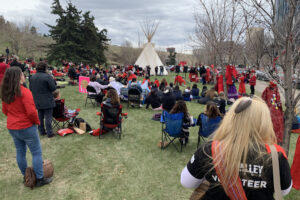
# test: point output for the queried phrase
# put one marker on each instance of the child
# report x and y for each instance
(180, 107)
(67, 113)
(242, 88)
(252, 82)
(221, 101)
(203, 93)
(187, 94)
(195, 92)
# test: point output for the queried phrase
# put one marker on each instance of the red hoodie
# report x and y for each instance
(21, 113)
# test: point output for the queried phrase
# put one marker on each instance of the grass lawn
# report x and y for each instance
(89, 168)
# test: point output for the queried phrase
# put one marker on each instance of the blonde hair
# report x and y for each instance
(241, 133)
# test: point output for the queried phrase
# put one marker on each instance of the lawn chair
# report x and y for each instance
(111, 118)
(171, 129)
(134, 96)
(207, 126)
(60, 121)
(91, 95)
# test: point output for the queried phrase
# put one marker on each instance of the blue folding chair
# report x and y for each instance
(207, 126)
(171, 129)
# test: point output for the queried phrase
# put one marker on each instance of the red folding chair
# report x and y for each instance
(60, 120)
(111, 118)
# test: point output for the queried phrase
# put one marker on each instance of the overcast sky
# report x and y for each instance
(120, 17)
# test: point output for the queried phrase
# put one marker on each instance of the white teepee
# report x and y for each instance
(149, 57)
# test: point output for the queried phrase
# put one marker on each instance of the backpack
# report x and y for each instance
(156, 117)
(29, 178)
(79, 120)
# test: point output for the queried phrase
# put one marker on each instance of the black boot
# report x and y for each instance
(42, 181)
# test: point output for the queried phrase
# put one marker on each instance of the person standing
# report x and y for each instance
(42, 85)
(3, 67)
(252, 82)
(7, 51)
(242, 88)
(156, 70)
(22, 119)
(161, 70)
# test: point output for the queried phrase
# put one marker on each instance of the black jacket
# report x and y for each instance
(15, 63)
(168, 101)
(178, 95)
(154, 100)
(42, 85)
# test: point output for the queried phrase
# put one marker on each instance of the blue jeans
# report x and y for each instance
(28, 137)
(47, 115)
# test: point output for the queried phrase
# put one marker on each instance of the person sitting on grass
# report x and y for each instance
(177, 93)
(221, 101)
(180, 107)
(168, 99)
(195, 92)
(210, 95)
(204, 90)
(154, 100)
(187, 94)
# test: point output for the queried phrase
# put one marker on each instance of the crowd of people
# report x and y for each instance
(238, 153)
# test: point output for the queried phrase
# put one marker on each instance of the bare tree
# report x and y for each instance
(219, 30)
(128, 54)
(285, 32)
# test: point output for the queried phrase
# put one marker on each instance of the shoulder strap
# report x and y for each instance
(236, 190)
(276, 176)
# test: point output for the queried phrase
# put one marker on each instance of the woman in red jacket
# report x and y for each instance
(22, 121)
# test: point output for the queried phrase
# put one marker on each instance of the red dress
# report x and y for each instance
(220, 84)
(230, 72)
(156, 82)
(295, 169)
(242, 87)
(208, 75)
(272, 98)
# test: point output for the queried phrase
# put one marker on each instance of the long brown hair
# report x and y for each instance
(179, 107)
(113, 95)
(212, 111)
(11, 86)
(211, 93)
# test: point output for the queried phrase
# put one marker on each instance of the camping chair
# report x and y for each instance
(59, 119)
(91, 95)
(134, 96)
(111, 117)
(171, 129)
(207, 126)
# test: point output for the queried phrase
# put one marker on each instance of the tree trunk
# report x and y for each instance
(288, 120)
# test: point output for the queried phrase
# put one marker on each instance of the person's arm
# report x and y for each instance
(194, 173)
(51, 84)
(285, 175)
(30, 108)
(4, 109)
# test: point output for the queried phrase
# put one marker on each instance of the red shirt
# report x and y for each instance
(156, 82)
(132, 76)
(252, 80)
(21, 113)
(3, 67)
